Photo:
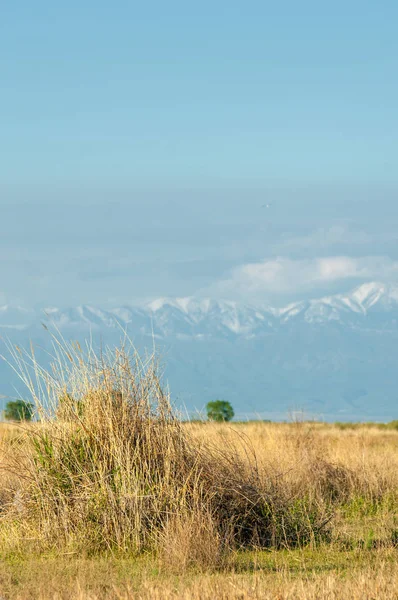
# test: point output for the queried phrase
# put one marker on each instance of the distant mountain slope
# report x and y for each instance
(334, 357)
(366, 305)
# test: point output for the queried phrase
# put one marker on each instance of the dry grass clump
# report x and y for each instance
(352, 472)
(110, 468)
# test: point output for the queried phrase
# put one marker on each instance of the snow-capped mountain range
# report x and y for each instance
(193, 316)
(333, 357)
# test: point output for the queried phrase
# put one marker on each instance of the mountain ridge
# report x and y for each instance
(332, 357)
(236, 318)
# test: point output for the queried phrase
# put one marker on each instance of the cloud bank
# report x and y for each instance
(287, 277)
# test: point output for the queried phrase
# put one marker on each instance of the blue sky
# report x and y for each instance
(139, 142)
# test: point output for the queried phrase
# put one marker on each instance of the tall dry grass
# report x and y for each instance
(109, 467)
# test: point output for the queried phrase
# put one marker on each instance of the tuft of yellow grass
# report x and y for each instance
(109, 467)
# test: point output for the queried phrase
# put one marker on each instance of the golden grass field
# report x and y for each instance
(111, 496)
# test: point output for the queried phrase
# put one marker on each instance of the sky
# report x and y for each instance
(240, 150)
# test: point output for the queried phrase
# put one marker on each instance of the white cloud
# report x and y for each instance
(255, 281)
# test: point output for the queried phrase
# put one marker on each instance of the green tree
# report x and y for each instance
(18, 410)
(219, 410)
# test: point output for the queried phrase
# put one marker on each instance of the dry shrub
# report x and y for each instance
(350, 474)
(110, 467)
